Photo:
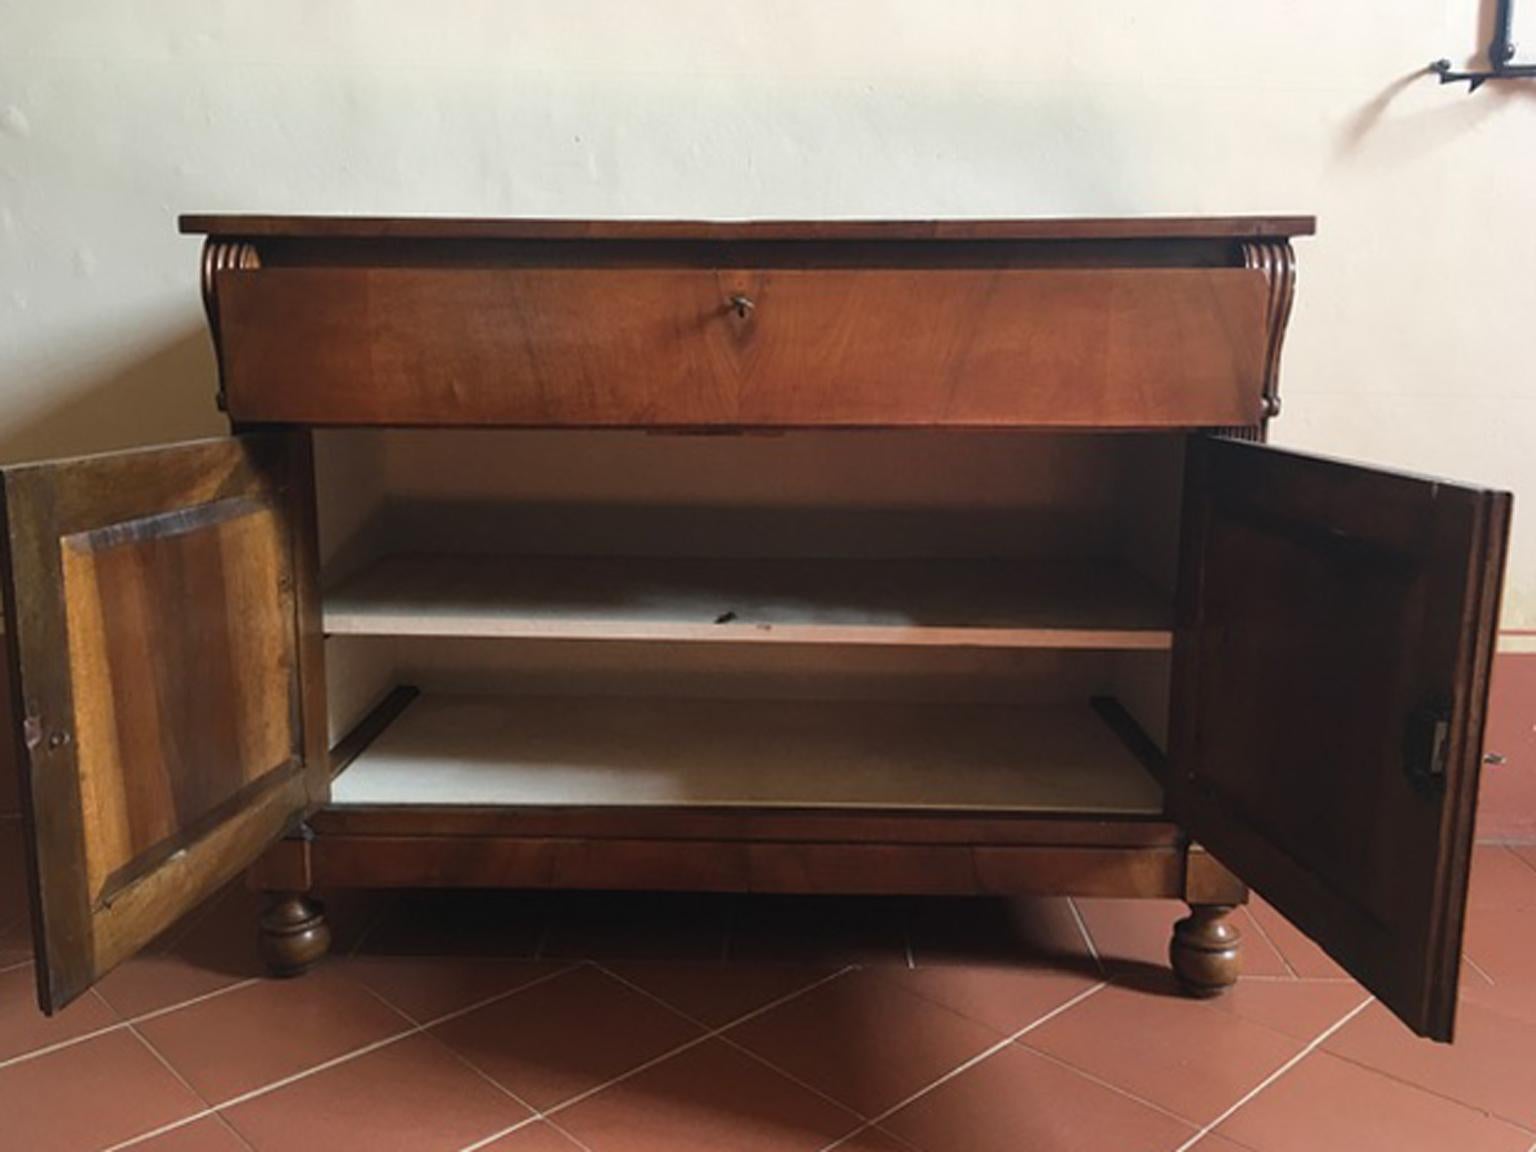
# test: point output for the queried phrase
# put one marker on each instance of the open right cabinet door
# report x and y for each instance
(1334, 639)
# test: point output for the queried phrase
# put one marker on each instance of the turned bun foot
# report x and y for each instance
(1206, 951)
(294, 935)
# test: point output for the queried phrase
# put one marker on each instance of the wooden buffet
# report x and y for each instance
(841, 557)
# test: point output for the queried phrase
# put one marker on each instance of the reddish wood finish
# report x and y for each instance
(154, 637)
(624, 347)
(294, 934)
(1206, 950)
(740, 865)
(694, 823)
(438, 228)
(1335, 623)
(1329, 614)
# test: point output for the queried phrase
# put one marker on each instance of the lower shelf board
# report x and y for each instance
(968, 602)
(761, 754)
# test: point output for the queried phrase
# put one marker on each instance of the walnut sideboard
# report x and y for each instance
(841, 557)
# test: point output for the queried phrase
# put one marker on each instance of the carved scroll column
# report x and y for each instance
(1275, 259)
(222, 255)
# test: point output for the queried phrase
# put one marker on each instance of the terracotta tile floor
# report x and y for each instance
(626, 1023)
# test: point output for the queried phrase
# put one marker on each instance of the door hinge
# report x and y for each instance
(1427, 748)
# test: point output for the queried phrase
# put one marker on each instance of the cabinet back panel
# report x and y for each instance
(797, 494)
(746, 671)
(1079, 497)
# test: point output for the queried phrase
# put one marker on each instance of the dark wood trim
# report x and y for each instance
(124, 877)
(1132, 735)
(36, 839)
(437, 228)
(407, 252)
(371, 727)
(284, 866)
(302, 512)
(181, 488)
(734, 823)
(745, 866)
(1330, 669)
(1067, 347)
(1485, 577)
(1207, 880)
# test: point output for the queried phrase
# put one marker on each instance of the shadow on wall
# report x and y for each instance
(1442, 125)
(161, 395)
(164, 393)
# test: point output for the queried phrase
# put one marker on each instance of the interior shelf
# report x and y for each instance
(669, 752)
(992, 603)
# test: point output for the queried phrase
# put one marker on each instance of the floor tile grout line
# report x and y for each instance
(502, 1133)
(975, 1060)
(224, 1123)
(1479, 969)
(563, 970)
(382, 999)
(867, 1126)
(547, 1113)
(1509, 846)
(1270, 940)
(154, 1133)
(745, 1051)
(1209, 1004)
(567, 1134)
(185, 1083)
(742, 1019)
(632, 1073)
(60, 1045)
(201, 1114)
(344, 1058)
(1317, 1042)
(1082, 930)
(792, 1078)
(1263, 978)
(1481, 1109)
(49, 1049)
(889, 1135)
(368, 929)
(169, 1067)
(323, 1066)
(712, 1034)
(492, 1081)
(1110, 1085)
(156, 1013)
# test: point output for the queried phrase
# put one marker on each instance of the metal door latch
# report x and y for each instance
(1427, 748)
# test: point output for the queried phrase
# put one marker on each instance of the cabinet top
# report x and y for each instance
(447, 228)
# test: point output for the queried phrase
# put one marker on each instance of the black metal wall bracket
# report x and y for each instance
(1476, 79)
(1501, 56)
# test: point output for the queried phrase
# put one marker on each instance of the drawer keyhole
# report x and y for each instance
(742, 305)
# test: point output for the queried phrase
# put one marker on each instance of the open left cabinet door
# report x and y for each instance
(1334, 640)
(155, 629)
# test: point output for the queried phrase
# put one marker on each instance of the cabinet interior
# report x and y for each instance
(842, 619)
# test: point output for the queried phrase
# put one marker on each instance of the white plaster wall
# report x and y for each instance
(1411, 340)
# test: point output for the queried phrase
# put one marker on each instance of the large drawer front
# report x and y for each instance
(689, 347)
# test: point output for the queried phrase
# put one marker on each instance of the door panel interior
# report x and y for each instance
(1334, 637)
(155, 667)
